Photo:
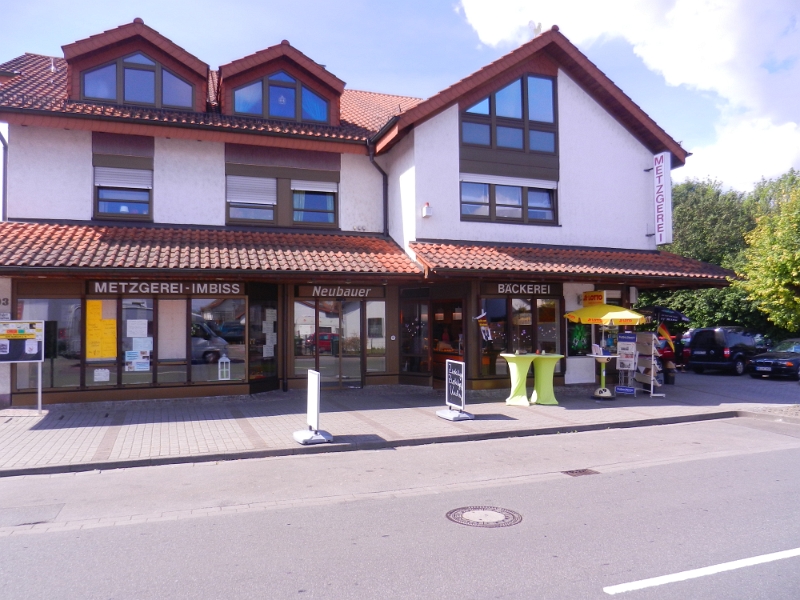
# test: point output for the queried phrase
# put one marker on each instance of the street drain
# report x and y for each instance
(484, 516)
(579, 472)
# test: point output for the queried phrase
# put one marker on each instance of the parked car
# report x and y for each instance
(783, 359)
(207, 346)
(721, 348)
(328, 343)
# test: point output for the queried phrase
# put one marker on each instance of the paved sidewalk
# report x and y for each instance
(79, 437)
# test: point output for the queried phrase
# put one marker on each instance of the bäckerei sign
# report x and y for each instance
(663, 197)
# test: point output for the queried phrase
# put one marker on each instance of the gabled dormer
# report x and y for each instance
(135, 65)
(280, 83)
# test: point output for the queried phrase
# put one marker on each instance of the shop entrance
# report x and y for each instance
(338, 343)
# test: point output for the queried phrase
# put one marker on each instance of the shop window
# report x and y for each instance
(251, 198)
(263, 339)
(548, 338)
(493, 326)
(216, 333)
(286, 98)
(62, 343)
(143, 81)
(414, 349)
(172, 364)
(521, 326)
(376, 336)
(507, 203)
(520, 116)
(137, 341)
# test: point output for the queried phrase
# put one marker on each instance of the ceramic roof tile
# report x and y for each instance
(92, 246)
(565, 261)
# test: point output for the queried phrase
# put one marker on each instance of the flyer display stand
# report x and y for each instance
(647, 367)
(23, 342)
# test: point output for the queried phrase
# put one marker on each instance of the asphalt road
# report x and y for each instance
(372, 524)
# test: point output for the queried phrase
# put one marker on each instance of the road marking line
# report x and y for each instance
(694, 573)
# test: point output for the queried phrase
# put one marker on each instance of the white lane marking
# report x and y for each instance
(694, 573)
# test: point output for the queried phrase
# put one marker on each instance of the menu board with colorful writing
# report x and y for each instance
(101, 330)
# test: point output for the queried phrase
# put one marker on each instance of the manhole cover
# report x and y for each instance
(579, 472)
(484, 516)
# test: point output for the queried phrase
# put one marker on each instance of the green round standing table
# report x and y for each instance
(544, 366)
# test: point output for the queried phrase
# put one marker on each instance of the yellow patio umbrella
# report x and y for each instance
(605, 314)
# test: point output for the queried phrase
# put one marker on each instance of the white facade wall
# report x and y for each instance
(401, 169)
(605, 195)
(49, 173)
(360, 195)
(188, 182)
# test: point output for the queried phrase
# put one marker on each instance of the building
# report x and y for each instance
(185, 231)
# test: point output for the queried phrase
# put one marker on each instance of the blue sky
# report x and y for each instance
(686, 81)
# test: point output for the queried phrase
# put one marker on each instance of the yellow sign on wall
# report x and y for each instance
(594, 298)
(101, 334)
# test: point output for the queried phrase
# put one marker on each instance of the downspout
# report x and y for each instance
(371, 150)
(4, 204)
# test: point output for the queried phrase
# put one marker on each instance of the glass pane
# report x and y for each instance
(175, 91)
(263, 340)
(414, 338)
(101, 342)
(123, 208)
(481, 108)
(123, 202)
(315, 108)
(62, 343)
(448, 329)
(508, 195)
(140, 86)
(475, 210)
(542, 141)
(547, 320)
(137, 340)
(171, 371)
(540, 205)
(476, 133)
(474, 192)
(281, 76)
(351, 342)
(101, 374)
(123, 194)
(304, 328)
(540, 99)
(509, 137)
(139, 59)
(281, 102)
(506, 212)
(521, 326)
(315, 207)
(376, 336)
(248, 99)
(327, 340)
(101, 83)
(217, 332)
(508, 101)
(312, 217)
(493, 336)
(172, 329)
(252, 213)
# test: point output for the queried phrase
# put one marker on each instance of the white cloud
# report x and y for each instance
(746, 51)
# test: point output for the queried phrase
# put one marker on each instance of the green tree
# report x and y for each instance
(771, 274)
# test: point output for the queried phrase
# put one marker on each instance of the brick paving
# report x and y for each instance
(75, 437)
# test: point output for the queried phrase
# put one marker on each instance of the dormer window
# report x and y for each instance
(280, 96)
(137, 79)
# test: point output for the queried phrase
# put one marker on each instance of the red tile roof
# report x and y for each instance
(575, 63)
(566, 261)
(96, 248)
(41, 86)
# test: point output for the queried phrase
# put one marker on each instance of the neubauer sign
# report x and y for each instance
(663, 197)
(165, 287)
(340, 291)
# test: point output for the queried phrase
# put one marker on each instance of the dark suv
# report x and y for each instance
(725, 348)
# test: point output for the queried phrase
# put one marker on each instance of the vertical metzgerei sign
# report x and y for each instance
(663, 197)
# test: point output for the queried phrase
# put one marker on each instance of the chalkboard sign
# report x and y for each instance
(454, 389)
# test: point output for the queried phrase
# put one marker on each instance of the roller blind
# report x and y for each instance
(315, 186)
(251, 190)
(126, 178)
(516, 181)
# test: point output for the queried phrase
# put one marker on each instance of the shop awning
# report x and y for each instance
(72, 249)
(642, 268)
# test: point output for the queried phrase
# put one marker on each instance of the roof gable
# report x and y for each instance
(127, 32)
(548, 50)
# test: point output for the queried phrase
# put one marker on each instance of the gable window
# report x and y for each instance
(280, 96)
(520, 116)
(506, 199)
(123, 193)
(137, 79)
(251, 198)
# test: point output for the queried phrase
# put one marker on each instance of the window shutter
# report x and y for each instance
(315, 186)
(516, 181)
(252, 190)
(123, 178)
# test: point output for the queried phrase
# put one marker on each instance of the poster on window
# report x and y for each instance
(101, 329)
(579, 339)
(137, 360)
